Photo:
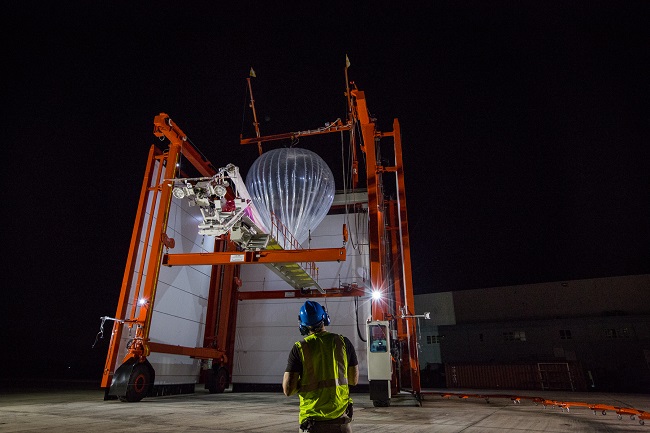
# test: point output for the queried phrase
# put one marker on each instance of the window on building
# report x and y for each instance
(433, 339)
(514, 336)
(618, 333)
(565, 334)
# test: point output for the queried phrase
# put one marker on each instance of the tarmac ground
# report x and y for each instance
(83, 409)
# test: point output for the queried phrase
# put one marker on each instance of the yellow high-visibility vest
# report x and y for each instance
(324, 392)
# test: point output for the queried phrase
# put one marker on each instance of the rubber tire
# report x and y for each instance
(219, 381)
(139, 384)
(381, 403)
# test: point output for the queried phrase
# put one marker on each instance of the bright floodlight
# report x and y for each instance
(142, 301)
(376, 294)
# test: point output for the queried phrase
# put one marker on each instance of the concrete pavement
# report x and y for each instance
(84, 410)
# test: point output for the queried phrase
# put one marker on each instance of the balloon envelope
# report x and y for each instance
(293, 184)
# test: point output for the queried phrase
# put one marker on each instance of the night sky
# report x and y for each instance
(525, 132)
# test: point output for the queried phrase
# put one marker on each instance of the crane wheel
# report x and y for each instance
(218, 381)
(139, 384)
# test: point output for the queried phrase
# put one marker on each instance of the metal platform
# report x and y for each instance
(297, 275)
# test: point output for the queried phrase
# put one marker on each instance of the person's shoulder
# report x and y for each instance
(347, 341)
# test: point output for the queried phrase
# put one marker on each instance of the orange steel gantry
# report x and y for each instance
(390, 257)
(390, 261)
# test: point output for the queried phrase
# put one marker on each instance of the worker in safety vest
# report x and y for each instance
(320, 368)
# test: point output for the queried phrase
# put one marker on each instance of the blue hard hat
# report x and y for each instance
(312, 313)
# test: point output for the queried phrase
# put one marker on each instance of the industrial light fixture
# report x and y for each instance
(220, 190)
(426, 315)
(178, 193)
(376, 295)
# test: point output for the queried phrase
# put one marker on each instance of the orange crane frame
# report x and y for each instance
(135, 375)
(141, 347)
(390, 257)
(399, 265)
(390, 268)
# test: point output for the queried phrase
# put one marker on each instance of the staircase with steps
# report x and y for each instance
(297, 275)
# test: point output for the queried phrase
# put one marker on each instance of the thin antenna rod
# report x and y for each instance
(347, 88)
(351, 119)
(257, 125)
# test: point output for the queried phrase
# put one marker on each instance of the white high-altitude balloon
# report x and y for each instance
(294, 184)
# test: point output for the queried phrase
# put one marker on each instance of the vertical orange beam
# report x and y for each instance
(396, 268)
(212, 309)
(116, 335)
(155, 255)
(232, 273)
(383, 305)
(163, 127)
(396, 276)
(226, 314)
(143, 262)
(220, 312)
(406, 261)
(375, 222)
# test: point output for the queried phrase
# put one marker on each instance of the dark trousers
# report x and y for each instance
(339, 425)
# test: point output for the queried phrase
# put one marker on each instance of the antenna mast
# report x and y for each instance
(351, 120)
(257, 125)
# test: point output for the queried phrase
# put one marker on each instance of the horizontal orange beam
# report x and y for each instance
(311, 293)
(641, 414)
(253, 257)
(194, 352)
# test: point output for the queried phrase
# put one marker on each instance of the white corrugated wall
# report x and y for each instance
(267, 329)
(181, 297)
